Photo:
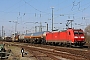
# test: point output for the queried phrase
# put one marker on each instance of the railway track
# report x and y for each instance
(54, 52)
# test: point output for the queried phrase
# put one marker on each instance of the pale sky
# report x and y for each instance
(23, 11)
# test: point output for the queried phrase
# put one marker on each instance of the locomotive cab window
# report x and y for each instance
(78, 32)
(75, 32)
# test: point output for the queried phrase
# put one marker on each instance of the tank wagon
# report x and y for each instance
(24, 37)
(66, 37)
(32, 37)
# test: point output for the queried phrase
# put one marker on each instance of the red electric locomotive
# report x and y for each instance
(66, 37)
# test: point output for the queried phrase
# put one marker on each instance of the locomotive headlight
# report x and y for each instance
(75, 37)
(82, 37)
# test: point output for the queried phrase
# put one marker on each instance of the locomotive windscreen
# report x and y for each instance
(78, 32)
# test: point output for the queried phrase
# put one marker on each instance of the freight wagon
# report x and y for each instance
(32, 37)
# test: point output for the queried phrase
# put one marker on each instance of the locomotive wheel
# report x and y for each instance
(68, 45)
(61, 44)
(57, 44)
(43, 42)
(53, 43)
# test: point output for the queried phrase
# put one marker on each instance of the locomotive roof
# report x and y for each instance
(77, 29)
(28, 34)
(38, 33)
(71, 29)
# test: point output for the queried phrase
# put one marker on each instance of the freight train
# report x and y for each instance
(67, 37)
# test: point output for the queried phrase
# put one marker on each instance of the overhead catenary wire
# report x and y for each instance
(35, 8)
(40, 10)
(78, 4)
(10, 7)
(77, 10)
(81, 8)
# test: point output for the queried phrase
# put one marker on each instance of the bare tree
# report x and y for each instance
(87, 34)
